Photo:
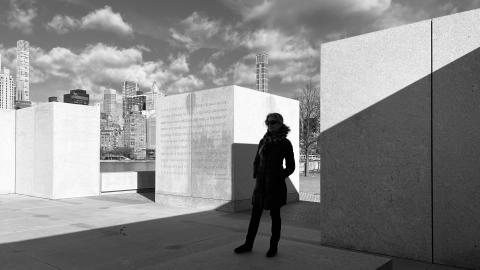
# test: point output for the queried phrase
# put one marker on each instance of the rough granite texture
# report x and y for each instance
(456, 139)
(7, 151)
(378, 191)
(195, 136)
(58, 150)
(375, 142)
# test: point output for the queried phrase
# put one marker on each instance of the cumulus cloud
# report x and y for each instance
(186, 84)
(243, 73)
(196, 24)
(294, 53)
(203, 32)
(279, 45)
(8, 57)
(104, 19)
(295, 71)
(101, 66)
(217, 75)
(63, 24)
(209, 69)
(286, 12)
(21, 18)
(107, 20)
(179, 63)
(409, 11)
(198, 31)
(399, 14)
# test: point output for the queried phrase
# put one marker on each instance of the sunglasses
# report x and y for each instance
(272, 122)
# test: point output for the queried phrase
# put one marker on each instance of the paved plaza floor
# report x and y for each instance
(130, 231)
(310, 187)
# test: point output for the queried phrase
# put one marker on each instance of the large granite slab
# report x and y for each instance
(196, 133)
(7, 151)
(57, 150)
(456, 139)
(375, 142)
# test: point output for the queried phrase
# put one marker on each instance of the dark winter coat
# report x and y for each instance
(270, 188)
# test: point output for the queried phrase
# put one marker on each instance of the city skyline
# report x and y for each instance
(186, 45)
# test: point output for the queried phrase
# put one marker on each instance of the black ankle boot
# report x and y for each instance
(272, 251)
(243, 248)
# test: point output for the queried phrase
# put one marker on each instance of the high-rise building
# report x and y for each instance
(151, 126)
(110, 102)
(152, 97)
(52, 99)
(262, 71)
(111, 135)
(7, 88)
(23, 71)
(135, 133)
(129, 89)
(130, 102)
(77, 96)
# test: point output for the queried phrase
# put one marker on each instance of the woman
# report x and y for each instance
(270, 191)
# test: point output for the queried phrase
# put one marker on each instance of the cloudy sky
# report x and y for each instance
(188, 45)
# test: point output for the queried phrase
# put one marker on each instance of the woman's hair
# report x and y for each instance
(278, 117)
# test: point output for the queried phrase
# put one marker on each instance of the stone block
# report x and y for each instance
(58, 150)
(456, 139)
(7, 151)
(375, 142)
(196, 137)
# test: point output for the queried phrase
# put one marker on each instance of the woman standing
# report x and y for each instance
(270, 191)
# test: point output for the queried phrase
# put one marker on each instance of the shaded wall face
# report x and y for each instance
(456, 139)
(376, 142)
(400, 176)
(7, 151)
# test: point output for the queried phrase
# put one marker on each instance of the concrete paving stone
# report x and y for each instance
(27, 203)
(19, 261)
(291, 255)
(224, 221)
(150, 236)
(309, 197)
(27, 223)
(75, 251)
(402, 264)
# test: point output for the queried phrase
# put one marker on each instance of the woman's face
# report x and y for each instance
(272, 124)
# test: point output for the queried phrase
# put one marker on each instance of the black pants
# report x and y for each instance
(255, 222)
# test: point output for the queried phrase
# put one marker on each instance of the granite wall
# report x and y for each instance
(7, 151)
(400, 141)
(195, 137)
(57, 150)
(375, 142)
(456, 139)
